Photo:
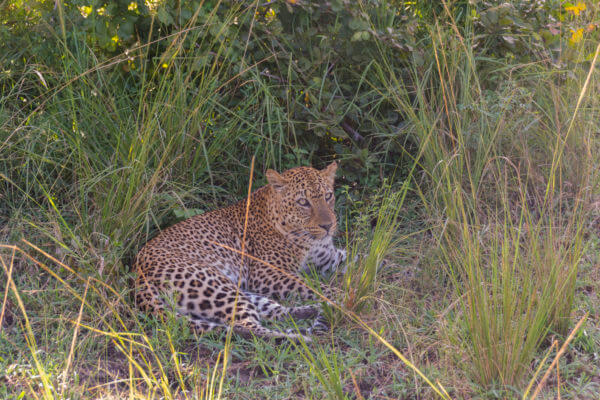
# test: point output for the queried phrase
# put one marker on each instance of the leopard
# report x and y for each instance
(232, 267)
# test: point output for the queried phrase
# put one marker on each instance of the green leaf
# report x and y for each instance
(164, 16)
(337, 132)
(337, 6)
(506, 21)
(125, 30)
(418, 58)
(186, 14)
(181, 213)
(356, 37)
(358, 24)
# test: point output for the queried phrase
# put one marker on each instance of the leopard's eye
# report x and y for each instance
(303, 202)
(328, 196)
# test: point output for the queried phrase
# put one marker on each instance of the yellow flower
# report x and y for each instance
(165, 65)
(577, 8)
(85, 10)
(132, 6)
(576, 36)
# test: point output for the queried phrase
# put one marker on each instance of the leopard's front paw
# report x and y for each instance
(343, 255)
(320, 326)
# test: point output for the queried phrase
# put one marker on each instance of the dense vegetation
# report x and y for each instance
(466, 133)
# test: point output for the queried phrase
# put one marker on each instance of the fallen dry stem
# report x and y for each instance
(561, 351)
(75, 333)
(359, 396)
(8, 281)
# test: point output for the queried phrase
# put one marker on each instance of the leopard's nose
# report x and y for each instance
(326, 227)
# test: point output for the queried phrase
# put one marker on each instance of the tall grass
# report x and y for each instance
(128, 146)
(100, 163)
(154, 368)
(507, 174)
(367, 254)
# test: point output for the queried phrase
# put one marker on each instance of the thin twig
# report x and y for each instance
(8, 280)
(357, 137)
(75, 333)
(563, 348)
(359, 396)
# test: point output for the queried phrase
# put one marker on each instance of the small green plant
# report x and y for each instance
(327, 368)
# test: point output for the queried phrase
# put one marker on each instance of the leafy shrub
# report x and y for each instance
(522, 29)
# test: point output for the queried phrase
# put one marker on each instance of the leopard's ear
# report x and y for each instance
(276, 180)
(329, 172)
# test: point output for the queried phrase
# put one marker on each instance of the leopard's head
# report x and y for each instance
(302, 202)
